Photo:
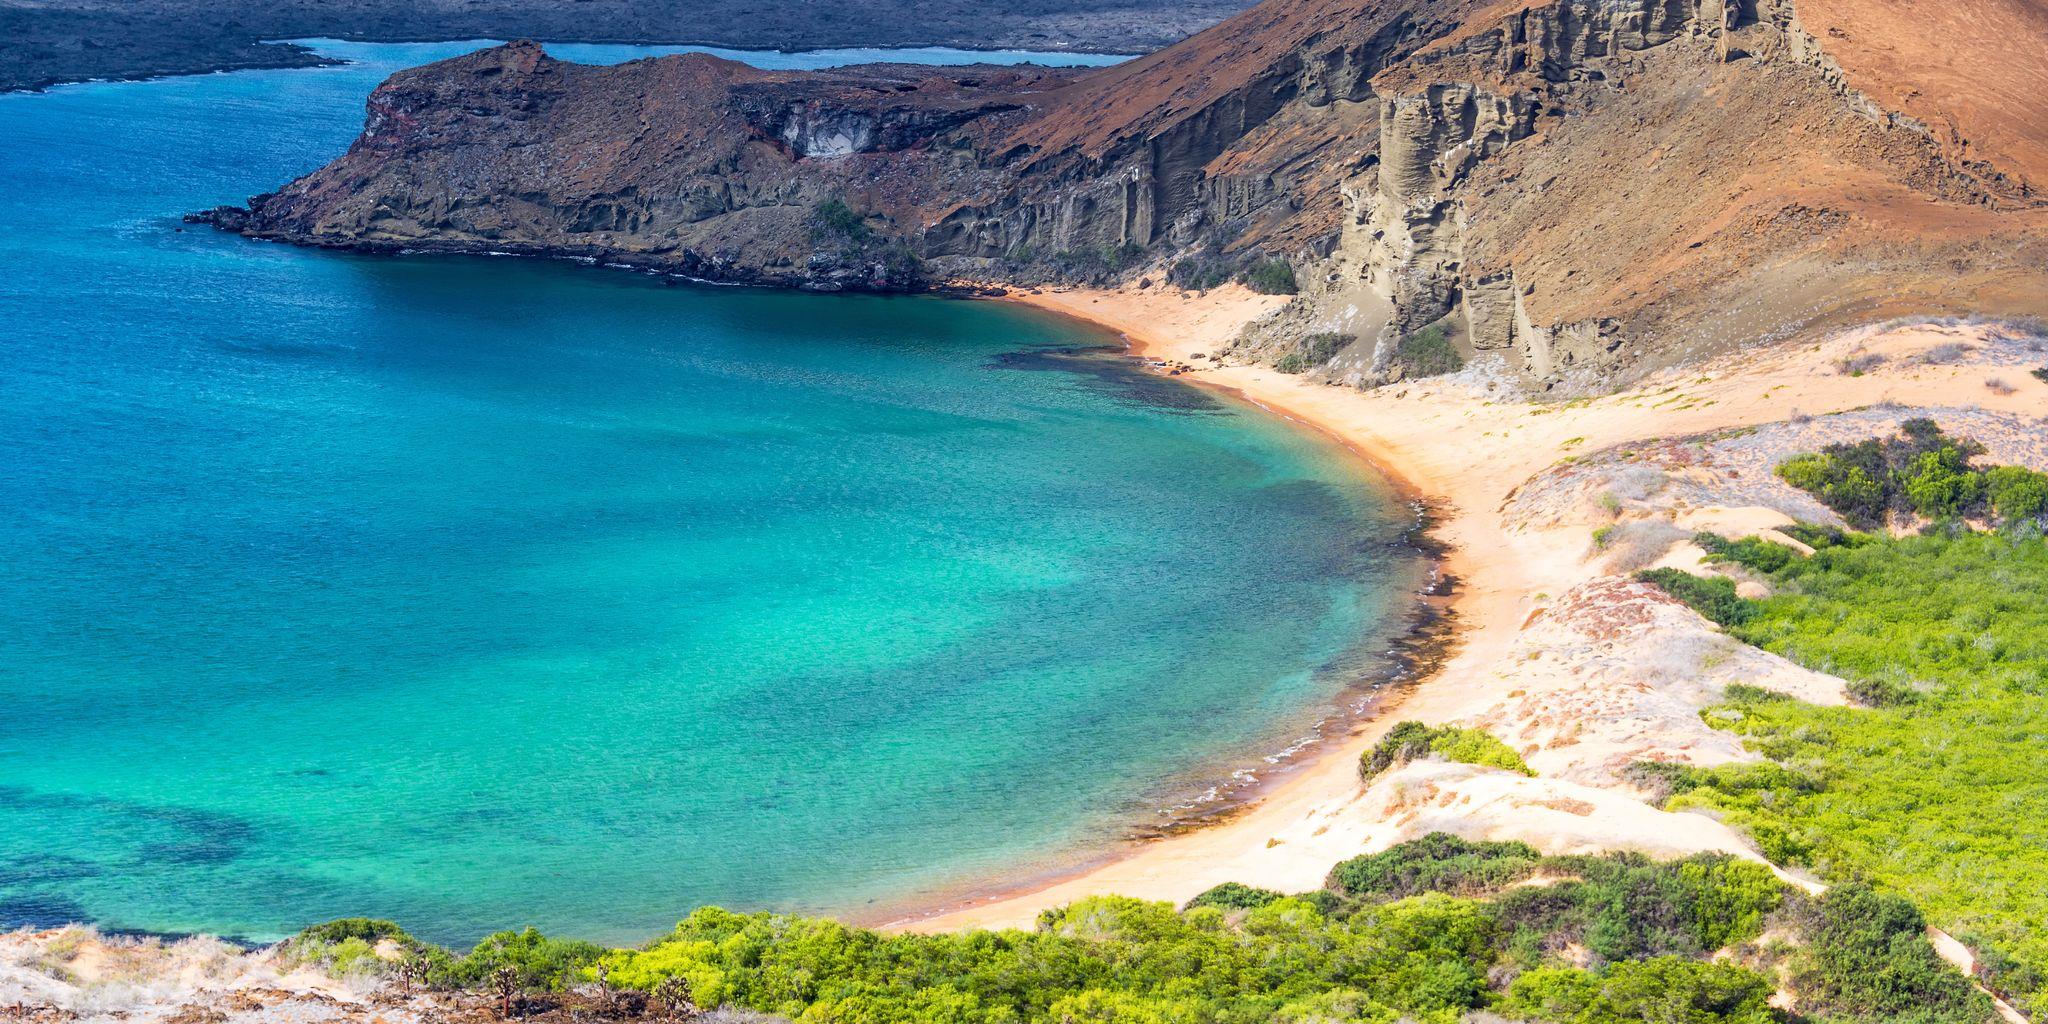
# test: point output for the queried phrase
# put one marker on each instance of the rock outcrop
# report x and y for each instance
(1578, 190)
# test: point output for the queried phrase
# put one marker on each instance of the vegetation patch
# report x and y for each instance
(1235, 896)
(833, 219)
(1315, 350)
(1097, 261)
(1270, 277)
(1428, 353)
(1713, 597)
(1409, 740)
(1438, 862)
(1920, 472)
(1935, 790)
(1430, 931)
(1210, 269)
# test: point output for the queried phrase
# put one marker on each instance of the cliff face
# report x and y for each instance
(1587, 187)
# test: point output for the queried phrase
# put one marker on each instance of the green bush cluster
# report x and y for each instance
(1936, 790)
(1625, 906)
(1713, 597)
(1664, 989)
(1438, 862)
(1210, 269)
(1871, 961)
(834, 219)
(1234, 896)
(1922, 472)
(348, 947)
(1428, 931)
(1315, 350)
(1428, 352)
(1240, 954)
(1407, 741)
(1753, 553)
(537, 961)
(345, 947)
(1203, 271)
(1270, 277)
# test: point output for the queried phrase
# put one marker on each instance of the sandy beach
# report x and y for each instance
(1520, 553)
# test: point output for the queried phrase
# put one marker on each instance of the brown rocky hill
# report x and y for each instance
(1589, 188)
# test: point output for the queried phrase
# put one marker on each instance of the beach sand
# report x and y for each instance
(1471, 445)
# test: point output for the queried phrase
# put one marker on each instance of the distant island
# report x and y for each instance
(43, 44)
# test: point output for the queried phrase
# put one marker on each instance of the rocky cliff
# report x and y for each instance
(1584, 189)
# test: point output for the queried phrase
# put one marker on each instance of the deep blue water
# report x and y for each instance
(477, 593)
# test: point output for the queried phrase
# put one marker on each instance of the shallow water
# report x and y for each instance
(476, 593)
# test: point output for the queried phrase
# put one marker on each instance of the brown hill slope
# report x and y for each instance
(1587, 187)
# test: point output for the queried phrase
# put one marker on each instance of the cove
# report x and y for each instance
(478, 593)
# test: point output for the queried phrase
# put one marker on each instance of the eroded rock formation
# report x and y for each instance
(1582, 189)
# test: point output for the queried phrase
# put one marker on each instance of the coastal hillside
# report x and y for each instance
(1587, 191)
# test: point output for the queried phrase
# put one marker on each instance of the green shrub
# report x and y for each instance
(1919, 470)
(1438, 862)
(1314, 350)
(2016, 493)
(1628, 907)
(1667, 989)
(1234, 896)
(537, 962)
(1846, 488)
(1097, 261)
(1753, 553)
(1818, 537)
(1407, 741)
(1713, 597)
(1941, 484)
(1202, 271)
(368, 929)
(2042, 374)
(833, 218)
(1870, 960)
(346, 946)
(1428, 352)
(1270, 277)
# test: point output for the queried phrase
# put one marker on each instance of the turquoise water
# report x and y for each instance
(479, 592)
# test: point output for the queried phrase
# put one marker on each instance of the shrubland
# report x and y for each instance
(1933, 788)
(1428, 931)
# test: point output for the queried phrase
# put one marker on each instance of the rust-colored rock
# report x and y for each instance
(1583, 189)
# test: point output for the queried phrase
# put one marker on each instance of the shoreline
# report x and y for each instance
(1168, 867)
(1519, 540)
(1415, 652)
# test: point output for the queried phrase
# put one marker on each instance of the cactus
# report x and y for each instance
(673, 994)
(507, 981)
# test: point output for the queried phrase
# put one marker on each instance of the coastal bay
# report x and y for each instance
(482, 592)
